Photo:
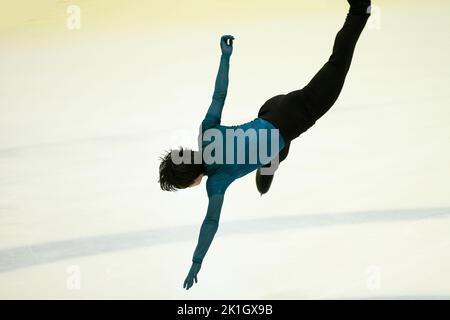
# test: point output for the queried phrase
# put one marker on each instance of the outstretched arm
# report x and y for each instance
(209, 227)
(214, 113)
(207, 232)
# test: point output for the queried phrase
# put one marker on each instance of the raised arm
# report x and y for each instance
(207, 232)
(214, 113)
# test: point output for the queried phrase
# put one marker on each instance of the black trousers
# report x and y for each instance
(297, 111)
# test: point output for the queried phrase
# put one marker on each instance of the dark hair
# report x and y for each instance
(173, 176)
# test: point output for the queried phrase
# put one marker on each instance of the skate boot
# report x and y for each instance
(360, 7)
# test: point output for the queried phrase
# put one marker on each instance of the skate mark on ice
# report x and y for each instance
(43, 253)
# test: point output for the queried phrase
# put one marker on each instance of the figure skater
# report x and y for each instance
(282, 118)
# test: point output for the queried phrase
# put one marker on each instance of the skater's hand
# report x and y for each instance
(226, 44)
(192, 275)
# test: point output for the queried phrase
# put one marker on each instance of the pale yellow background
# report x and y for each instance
(84, 115)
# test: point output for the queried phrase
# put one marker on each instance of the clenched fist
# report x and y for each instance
(226, 44)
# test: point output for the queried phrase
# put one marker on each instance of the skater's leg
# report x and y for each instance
(264, 179)
(325, 87)
(281, 156)
(360, 6)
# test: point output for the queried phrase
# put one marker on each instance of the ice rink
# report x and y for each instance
(360, 209)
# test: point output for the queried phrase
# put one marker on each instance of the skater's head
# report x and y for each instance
(180, 169)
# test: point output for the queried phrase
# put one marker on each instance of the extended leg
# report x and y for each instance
(323, 90)
(264, 181)
(325, 87)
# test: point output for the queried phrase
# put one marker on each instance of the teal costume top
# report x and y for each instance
(223, 167)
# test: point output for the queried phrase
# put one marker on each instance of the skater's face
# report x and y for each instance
(197, 181)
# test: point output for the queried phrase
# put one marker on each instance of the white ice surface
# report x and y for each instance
(364, 195)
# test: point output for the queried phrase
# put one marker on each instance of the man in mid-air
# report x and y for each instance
(282, 118)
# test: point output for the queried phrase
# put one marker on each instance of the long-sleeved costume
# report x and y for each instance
(289, 115)
(258, 152)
